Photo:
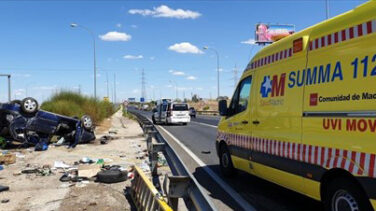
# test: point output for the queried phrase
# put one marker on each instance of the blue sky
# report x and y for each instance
(44, 54)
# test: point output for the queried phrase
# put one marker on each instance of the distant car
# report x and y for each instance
(192, 112)
(22, 121)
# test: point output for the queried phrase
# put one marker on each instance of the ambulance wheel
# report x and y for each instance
(225, 162)
(344, 194)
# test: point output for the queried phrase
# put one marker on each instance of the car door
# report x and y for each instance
(238, 123)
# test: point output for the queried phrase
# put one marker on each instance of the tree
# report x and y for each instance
(195, 98)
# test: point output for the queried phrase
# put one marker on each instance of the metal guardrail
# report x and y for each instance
(214, 113)
(182, 184)
(145, 195)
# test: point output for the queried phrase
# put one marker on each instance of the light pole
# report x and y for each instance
(216, 53)
(9, 90)
(176, 89)
(73, 25)
(327, 9)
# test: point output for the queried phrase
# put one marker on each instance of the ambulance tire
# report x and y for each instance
(225, 162)
(344, 194)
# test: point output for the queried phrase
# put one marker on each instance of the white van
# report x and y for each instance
(178, 113)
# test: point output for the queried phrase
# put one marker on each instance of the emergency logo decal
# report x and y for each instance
(272, 88)
(266, 87)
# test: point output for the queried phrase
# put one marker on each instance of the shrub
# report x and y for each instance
(73, 104)
(205, 108)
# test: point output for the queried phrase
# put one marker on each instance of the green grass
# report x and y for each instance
(73, 104)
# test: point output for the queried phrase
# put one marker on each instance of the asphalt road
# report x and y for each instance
(199, 136)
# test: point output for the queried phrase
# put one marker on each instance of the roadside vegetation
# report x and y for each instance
(74, 104)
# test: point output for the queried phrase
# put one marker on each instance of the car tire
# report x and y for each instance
(225, 162)
(344, 194)
(87, 122)
(185, 123)
(29, 105)
(112, 176)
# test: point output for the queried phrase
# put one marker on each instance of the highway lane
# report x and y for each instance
(210, 120)
(263, 195)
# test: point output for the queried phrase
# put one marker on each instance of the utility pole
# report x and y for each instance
(143, 91)
(108, 90)
(9, 89)
(235, 76)
(114, 87)
(327, 9)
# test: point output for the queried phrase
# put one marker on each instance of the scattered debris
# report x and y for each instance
(3, 188)
(20, 155)
(7, 159)
(112, 174)
(86, 160)
(88, 171)
(60, 142)
(5, 201)
(60, 165)
(39, 171)
(42, 145)
(205, 152)
(112, 131)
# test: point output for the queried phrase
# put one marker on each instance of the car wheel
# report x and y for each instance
(87, 122)
(185, 123)
(225, 162)
(29, 105)
(111, 176)
(345, 195)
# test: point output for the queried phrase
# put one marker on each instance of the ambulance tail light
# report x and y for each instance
(298, 45)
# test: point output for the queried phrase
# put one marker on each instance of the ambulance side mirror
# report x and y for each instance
(222, 107)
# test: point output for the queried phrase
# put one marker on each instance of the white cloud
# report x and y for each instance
(176, 72)
(250, 41)
(191, 78)
(185, 47)
(169, 86)
(164, 11)
(115, 36)
(118, 25)
(152, 58)
(134, 26)
(133, 57)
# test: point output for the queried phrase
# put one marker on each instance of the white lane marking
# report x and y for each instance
(239, 199)
(204, 124)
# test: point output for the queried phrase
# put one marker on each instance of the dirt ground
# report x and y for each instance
(34, 192)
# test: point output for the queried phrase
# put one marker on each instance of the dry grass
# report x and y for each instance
(73, 104)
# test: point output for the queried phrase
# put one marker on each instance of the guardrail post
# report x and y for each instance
(158, 147)
(178, 188)
(149, 140)
(146, 128)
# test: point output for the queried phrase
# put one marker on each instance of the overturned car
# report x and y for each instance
(23, 122)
